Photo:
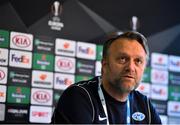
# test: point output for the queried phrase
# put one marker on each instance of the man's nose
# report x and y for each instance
(130, 66)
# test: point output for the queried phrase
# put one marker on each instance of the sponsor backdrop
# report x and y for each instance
(35, 70)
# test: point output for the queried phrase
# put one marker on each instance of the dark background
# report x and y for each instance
(91, 21)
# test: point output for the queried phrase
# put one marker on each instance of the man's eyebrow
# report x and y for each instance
(141, 57)
(122, 53)
(125, 54)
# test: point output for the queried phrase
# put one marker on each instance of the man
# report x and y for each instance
(111, 98)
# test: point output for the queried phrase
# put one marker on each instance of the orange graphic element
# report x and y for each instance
(176, 107)
(141, 87)
(67, 81)
(43, 57)
(90, 51)
(1, 94)
(43, 76)
(66, 45)
(25, 59)
(18, 90)
(40, 114)
(160, 59)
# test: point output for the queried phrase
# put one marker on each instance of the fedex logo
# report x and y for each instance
(159, 92)
(86, 50)
(62, 81)
(174, 63)
(20, 59)
(21, 41)
(65, 81)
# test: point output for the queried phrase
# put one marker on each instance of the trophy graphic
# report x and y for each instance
(134, 23)
(56, 8)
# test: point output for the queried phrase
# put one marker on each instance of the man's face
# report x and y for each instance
(125, 64)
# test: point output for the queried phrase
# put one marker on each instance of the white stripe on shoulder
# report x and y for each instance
(93, 110)
(86, 82)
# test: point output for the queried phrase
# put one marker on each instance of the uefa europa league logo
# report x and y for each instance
(54, 22)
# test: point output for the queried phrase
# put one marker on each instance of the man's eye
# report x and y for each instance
(139, 61)
(122, 60)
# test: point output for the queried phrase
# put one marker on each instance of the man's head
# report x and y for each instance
(132, 35)
(124, 60)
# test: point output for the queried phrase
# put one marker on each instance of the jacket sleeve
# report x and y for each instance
(74, 107)
(155, 119)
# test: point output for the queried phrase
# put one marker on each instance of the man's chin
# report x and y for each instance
(128, 82)
(128, 87)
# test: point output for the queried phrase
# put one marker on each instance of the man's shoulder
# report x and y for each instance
(138, 95)
(90, 86)
(91, 83)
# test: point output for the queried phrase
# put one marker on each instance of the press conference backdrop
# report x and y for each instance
(35, 70)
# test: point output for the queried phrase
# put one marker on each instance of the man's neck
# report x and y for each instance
(116, 94)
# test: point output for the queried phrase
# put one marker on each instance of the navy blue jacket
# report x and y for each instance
(80, 104)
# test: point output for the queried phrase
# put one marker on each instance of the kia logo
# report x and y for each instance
(21, 41)
(41, 96)
(65, 64)
(2, 75)
(159, 76)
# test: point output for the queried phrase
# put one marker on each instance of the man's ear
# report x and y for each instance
(103, 62)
